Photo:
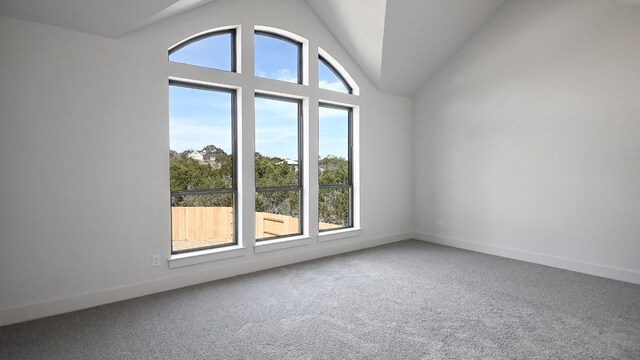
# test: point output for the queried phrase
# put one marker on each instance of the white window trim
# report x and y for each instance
(202, 256)
(339, 234)
(282, 243)
(355, 89)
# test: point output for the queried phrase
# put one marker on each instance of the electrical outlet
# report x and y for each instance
(155, 260)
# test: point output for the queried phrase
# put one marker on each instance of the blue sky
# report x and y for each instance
(334, 132)
(277, 128)
(203, 117)
(328, 80)
(275, 58)
(198, 118)
(212, 52)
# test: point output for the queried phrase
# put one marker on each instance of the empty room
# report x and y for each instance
(320, 179)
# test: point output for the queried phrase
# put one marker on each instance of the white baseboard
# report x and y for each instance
(83, 301)
(537, 258)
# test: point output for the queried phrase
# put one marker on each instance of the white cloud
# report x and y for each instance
(332, 113)
(285, 75)
(280, 74)
(189, 133)
(334, 85)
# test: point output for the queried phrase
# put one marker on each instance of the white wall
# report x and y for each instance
(84, 161)
(527, 144)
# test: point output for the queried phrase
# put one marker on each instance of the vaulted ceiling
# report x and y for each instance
(399, 44)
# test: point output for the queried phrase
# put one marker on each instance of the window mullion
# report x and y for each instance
(336, 186)
(312, 142)
(279, 188)
(202, 192)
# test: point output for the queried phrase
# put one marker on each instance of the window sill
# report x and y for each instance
(202, 256)
(339, 234)
(284, 243)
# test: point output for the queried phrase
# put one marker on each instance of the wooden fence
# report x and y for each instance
(193, 227)
(270, 225)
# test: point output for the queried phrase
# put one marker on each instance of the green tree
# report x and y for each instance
(190, 174)
(212, 149)
(333, 205)
(274, 172)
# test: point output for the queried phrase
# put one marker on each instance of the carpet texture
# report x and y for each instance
(408, 300)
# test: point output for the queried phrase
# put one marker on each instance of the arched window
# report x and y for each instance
(333, 76)
(277, 57)
(214, 50)
(215, 137)
(330, 79)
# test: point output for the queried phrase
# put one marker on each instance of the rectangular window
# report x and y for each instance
(202, 128)
(278, 166)
(335, 202)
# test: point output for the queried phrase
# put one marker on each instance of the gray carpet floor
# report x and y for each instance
(408, 300)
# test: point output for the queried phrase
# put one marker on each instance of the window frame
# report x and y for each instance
(300, 186)
(187, 42)
(344, 82)
(245, 87)
(350, 184)
(300, 54)
(234, 176)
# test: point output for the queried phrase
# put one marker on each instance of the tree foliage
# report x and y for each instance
(212, 149)
(333, 205)
(190, 174)
(274, 171)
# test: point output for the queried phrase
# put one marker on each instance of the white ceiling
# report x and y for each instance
(422, 35)
(399, 44)
(110, 18)
(359, 27)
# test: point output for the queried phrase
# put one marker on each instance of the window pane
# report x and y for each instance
(334, 146)
(277, 58)
(334, 208)
(329, 79)
(276, 158)
(277, 214)
(200, 221)
(215, 52)
(200, 124)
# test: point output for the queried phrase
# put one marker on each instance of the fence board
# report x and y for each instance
(193, 227)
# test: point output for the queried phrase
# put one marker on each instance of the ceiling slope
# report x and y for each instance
(109, 18)
(420, 36)
(359, 27)
(399, 44)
